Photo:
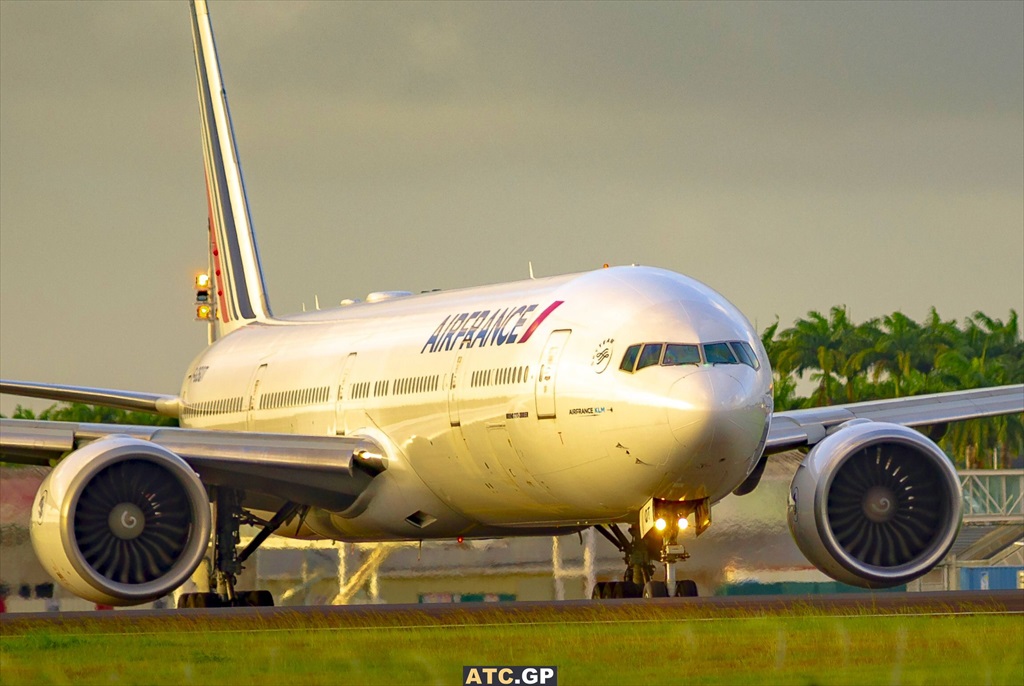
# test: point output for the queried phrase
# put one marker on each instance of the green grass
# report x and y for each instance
(601, 646)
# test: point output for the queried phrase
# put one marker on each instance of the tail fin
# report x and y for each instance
(234, 256)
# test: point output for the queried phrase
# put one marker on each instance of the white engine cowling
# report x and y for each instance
(875, 504)
(121, 521)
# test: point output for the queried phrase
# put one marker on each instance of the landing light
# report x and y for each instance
(683, 523)
(203, 296)
(660, 523)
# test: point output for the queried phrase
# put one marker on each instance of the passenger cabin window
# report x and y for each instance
(649, 356)
(676, 354)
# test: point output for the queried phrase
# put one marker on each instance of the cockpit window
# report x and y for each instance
(745, 353)
(719, 353)
(650, 356)
(676, 354)
(629, 359)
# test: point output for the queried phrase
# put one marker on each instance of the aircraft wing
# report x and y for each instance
(323, 471)
(166, 405)
(802, 428)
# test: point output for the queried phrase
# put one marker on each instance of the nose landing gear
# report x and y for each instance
(640, 555)
(660, 544)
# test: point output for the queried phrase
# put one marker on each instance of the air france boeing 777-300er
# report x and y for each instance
(629, 399)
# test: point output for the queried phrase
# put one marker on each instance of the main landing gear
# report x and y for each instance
(227, 560)
(659, 545)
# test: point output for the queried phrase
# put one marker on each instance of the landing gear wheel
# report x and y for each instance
(655, 589)
(198, 600)
(256, 599)
(640, 554)
(687, 588)
(606, 590)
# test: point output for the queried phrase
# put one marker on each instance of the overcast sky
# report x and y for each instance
(792, 156)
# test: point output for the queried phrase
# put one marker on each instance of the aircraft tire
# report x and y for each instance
(198, 600)
(256, 599)
(632, 590)
(655, 589)
(687, 588)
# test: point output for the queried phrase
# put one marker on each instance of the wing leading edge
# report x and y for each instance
(802, 428)
(323, 471)
(136, 401)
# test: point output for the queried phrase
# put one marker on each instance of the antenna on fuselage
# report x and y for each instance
(531, 270)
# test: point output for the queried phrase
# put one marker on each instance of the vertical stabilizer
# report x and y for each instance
(241, 294)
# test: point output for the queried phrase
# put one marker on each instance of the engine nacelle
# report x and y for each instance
(121, 521)
(875, 504)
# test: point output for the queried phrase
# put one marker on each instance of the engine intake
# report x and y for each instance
(121, 521)
(875, 504)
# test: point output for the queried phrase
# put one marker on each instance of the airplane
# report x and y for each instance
(629, 399)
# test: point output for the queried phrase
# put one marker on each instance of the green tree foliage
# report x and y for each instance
(895, 356)
(78, 412)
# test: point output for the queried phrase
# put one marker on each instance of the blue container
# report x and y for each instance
(991, 578)
(798, 588)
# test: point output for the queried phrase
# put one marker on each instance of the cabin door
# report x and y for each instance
(453, 393)
(254, 397)
(340, 426)
(547, 373)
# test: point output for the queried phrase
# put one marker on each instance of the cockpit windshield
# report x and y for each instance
(641, 355)
(746, 354)
(719, 353)
(629, 359)
(650, 355)
(678, 353)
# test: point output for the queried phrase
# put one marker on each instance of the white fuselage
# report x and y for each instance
(503, 406)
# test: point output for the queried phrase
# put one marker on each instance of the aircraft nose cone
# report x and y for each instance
(712, 401)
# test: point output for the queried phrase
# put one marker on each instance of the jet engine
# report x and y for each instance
(875, 504)
(121, 521)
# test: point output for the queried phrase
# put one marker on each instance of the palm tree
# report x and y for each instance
(895, 356)
(898, 350)
(858, 355)
(989, 353)
(816, 343)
